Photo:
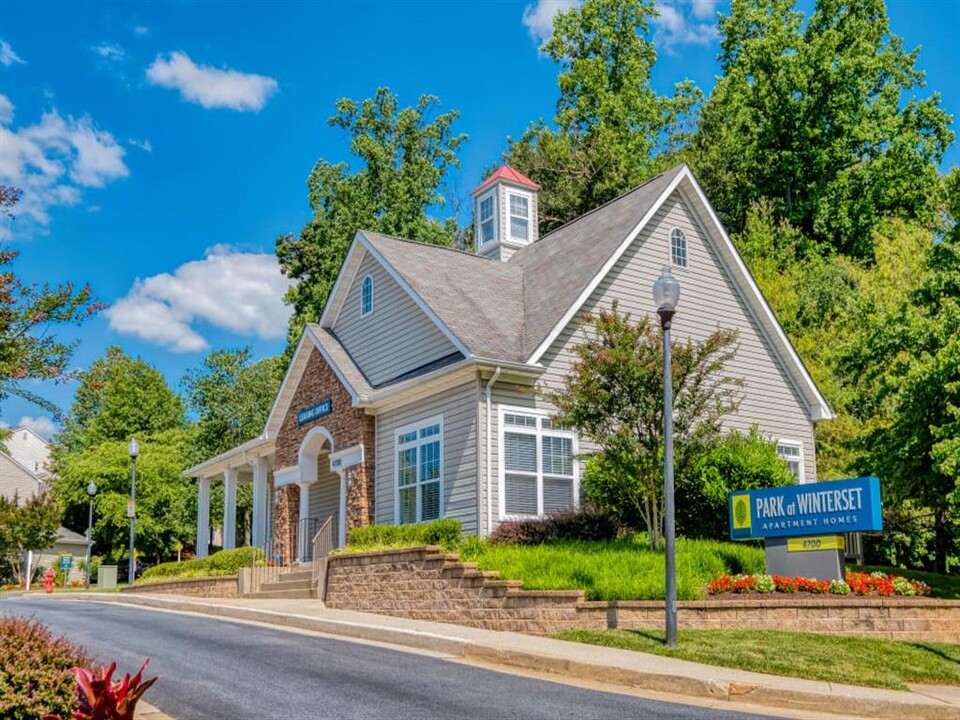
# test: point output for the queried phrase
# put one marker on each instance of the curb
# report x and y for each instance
(843, 700)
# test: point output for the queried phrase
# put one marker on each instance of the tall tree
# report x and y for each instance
(231, 398)
(118, 397)
(28, 350)
(613, 130)
(614, 396)
(28, 525)
(405, 155)
(820, 118)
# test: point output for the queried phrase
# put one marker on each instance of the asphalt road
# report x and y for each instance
(211, 668)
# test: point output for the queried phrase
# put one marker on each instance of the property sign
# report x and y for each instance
(313, 412)
(66, 562)
(838, 506)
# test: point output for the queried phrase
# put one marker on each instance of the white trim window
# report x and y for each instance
(418, 450)
(678, 247)
(487, 225)
(366, 296)
(792, 454)
(519, 221)
(538, 468)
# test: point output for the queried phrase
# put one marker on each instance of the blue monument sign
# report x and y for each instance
(802, 524)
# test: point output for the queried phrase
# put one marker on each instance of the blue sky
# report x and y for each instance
(163, 147)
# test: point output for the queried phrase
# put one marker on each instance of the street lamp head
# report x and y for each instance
(666, 292)
(134, 449)
(91, 488)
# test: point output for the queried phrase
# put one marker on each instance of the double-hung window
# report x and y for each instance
(538, 464)
(792, 454)
(419, 456)
(519, 216)
(487, 220)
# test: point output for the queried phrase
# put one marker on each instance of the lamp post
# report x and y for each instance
(666, 294)
(91, 491)
(133, 449)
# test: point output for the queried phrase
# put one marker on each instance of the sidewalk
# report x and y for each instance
(571, 660)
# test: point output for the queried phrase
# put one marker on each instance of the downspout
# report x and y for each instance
(490, 382)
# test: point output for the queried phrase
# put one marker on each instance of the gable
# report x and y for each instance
(17, 480)
(710, 298)
(396, 337)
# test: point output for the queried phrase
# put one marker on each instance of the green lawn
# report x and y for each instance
(863, 661)
(946, 587)
(622, 570)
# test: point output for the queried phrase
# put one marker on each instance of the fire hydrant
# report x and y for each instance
(48, 581)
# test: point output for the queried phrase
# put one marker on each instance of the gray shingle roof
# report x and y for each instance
(504, 310)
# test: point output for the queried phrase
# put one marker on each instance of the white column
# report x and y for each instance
(203, 517)
(230, 508)
(260, 509)
(342, 519)
(303, 532)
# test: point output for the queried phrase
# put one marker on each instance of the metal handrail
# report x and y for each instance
(323, 544)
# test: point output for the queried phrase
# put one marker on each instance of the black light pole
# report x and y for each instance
(666, 294)
(91, 491)
(133, 449)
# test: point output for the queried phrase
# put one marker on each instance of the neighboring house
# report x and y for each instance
(24, 474)
(413, 396)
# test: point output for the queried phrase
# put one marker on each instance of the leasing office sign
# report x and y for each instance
(838, 506)
(325, 407)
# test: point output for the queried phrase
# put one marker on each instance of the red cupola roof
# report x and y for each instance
(507, 173)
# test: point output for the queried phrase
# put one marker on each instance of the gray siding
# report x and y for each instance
(325, 492)
(458, 406)
(396, 337)
(708, 300)
(14, 480)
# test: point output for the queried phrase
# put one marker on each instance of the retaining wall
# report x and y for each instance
(426, 584)
(209, 587)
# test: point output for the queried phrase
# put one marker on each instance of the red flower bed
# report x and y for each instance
(857, 583)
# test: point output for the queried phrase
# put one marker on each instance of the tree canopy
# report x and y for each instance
(404, 156)
(613, 130)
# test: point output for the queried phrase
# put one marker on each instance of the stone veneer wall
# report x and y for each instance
(426, 584)
(208, 587)
(348, 426)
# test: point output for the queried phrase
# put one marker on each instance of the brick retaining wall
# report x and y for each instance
(426, 584)
(209, 587)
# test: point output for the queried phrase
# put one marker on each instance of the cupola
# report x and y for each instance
(504, 213)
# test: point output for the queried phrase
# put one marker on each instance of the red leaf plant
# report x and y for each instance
(102, 698)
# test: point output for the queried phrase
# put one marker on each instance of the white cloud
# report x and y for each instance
(144, 145)
(685, 22)
(538, 18)
(141, 30)
(7, 56)
(235, 291)
(42, 426)
(209, 86)
(6, 110)
(109, 52)
(53, 160)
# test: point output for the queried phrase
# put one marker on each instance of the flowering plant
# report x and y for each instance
(857, 583)
(102, 698)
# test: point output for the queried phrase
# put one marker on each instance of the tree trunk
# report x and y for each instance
(941, 540)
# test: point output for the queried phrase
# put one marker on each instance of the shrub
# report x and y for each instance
(225, 562)
(35, 677)
(445, 532)
(589, 522)
(737, 462)
(907, 540)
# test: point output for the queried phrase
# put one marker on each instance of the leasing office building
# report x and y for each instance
(413, 396)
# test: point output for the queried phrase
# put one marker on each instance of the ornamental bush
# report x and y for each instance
(225, 562)
(445, 532)
(35, 677)
(588, 522)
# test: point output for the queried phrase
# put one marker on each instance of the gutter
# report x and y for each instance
(489, 387)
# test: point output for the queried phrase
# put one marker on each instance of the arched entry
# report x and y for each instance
(321, 489)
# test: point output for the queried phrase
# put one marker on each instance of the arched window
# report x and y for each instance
(678, 247)
(366, 296)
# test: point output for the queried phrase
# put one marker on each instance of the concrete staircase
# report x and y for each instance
(295, 584)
